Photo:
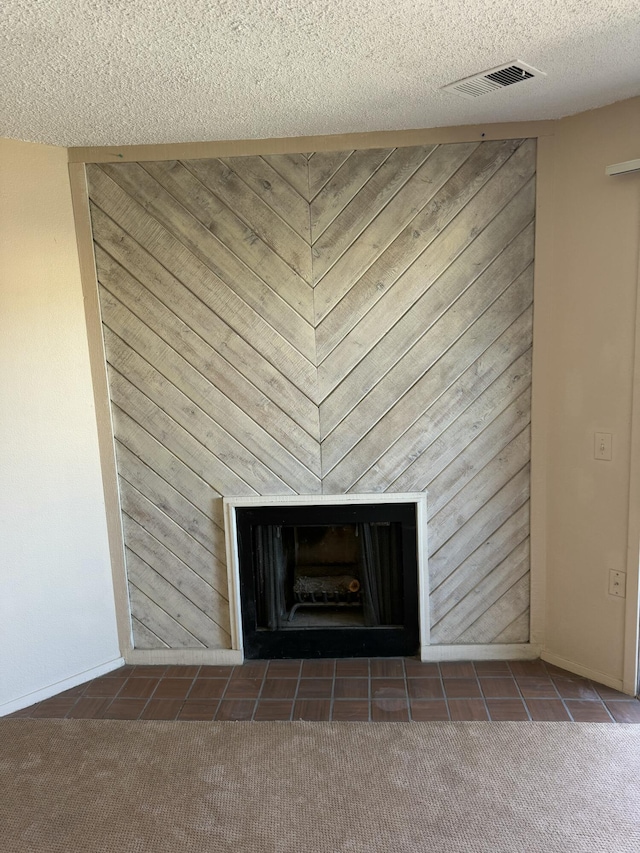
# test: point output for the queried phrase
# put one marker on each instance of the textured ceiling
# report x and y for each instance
(114, 72)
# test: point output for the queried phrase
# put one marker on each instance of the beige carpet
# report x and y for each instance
(83, 785)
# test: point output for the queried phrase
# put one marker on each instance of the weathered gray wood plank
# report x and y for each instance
(179, 542)
(197, 306)
(362, 209)
(159, 622)
(176, 572)
(497, 617)
(416, 194)
(322, 167)
(169, 500)
(461, 615)
(274, 190)
(237, 466)
(385, 287)
(171, 600)
(481, 255)
(480, 527)
(518, 630)
(210, 248)
(264, 222)
(214, 292)
(143, 638)
(293, 168)
(470, 499)
(369, 426)
(228, 382)
(189, 383)
(167, 431)
(443, 410)
(449, 589)
(347, 181)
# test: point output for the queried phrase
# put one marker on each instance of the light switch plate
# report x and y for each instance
(602, 446)
(617, 583)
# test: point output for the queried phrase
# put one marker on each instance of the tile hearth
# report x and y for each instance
(376, 689)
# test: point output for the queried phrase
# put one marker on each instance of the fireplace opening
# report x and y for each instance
(328, 580)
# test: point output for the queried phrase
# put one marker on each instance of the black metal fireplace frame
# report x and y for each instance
(380, 641)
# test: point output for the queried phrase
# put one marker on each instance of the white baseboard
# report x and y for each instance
(59, 687)
(488, 651)
(585, 671)
(184, 657)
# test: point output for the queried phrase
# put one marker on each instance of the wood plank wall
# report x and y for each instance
(355, 321)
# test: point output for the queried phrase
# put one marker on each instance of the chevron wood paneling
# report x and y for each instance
(351, 321)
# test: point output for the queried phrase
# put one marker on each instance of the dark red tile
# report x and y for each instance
(350, 710)
(105, 687)
(138, 688)
(528, 668)
(162, 709)
(352, 668)
(54, 708)
(388, 688)
(122, 672)
(492, 667)
(173, 688)
(312, 709)
(467, 709)
(501, 710)
(208, 688)
(351, 688)
(124, 709)
(250, 669)
(462, 688)
(500, 688)
(74, 692)
(457, 669)
(428, 710)
(609, 693)
(315, 688)
(88, 708)
(279, 688)
(394, 710)
(215, 671)
(181, 671)
(386, 668)
(547, 710)
(273, 709)
(243, 688)
(554, 670)
(151, 671)
(624, 711)
(284, 668)
(575, 688)
(235, 709)
(418, 669)
(318, 668)
(535, 687)
(198, 709)
(425, 688)
(588, 712)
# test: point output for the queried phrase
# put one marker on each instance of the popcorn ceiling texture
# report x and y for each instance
(113, 72)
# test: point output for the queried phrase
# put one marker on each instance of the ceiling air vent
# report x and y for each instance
(494, 79)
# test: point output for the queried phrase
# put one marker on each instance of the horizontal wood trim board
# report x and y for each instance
(356, 321)
(334, 142)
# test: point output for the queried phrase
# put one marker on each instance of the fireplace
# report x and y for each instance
(331, 578)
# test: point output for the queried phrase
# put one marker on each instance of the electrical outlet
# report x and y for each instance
(617, 583)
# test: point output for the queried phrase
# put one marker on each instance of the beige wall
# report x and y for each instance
(57, 620)
(587, 293)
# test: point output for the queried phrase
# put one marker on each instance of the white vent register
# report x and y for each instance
(494, 79)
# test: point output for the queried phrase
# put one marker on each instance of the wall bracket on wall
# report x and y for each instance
(623, 168)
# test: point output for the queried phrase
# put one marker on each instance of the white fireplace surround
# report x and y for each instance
(428, 652)
(419, 499)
